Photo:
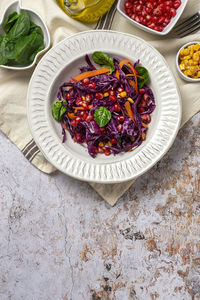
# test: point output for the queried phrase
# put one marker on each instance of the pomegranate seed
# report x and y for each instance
(68, 96)
(84, 116)
(77, 120)
(119, 127)
(117, 107)
(120, 89)
(113, 98)
(73, 123)
(85, 81)
(111, 93)
(78, 138)
(88, 98)
(128, 4)
(79, 101)
(141, 91)
(176, 4)
(103, 131)
(146, 118)
(114, 141)
(100, 149)
(173, 12)
(99, 95)
(85, 105)
(141, 109)
(92, 85)
(146, 98)
(120, 119)
(89, 118)
(107, 152)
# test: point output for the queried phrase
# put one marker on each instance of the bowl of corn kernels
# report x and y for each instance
(188, 61)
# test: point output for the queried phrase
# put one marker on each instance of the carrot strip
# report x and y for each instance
(71, 115)
(129, 111)
(123, 62)
(91, 74)
(82, 108)
(143, 136)
(64, 126)
(128, 75)
(144, 125)
(127, 61)
(135, 75)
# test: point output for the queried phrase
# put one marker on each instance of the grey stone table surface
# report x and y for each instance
(60, 240)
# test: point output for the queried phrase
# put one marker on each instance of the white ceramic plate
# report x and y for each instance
(60, 64)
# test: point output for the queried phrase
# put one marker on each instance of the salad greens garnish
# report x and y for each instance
(23, 40)
(58, 110)
(102, 116)
(142, 72)
(104, 60)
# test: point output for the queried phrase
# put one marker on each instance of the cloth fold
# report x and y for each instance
(14, 84)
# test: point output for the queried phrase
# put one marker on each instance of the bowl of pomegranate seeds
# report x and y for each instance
(155, 16)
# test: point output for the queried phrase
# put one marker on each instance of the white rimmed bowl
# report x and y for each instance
(166, 30)
(35, 18)
(61, 63)
(182, 75)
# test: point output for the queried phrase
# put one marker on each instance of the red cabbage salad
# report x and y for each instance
(108, 108)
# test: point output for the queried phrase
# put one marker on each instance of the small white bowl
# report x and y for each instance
(182, 75)
(166, 30)
(35, 18)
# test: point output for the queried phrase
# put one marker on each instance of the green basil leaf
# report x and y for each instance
(10, 21)
(102, 116)
(104, 60)
(58, 110)
(143, 72)
(21, 26)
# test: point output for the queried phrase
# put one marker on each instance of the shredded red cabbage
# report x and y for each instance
(120, 134)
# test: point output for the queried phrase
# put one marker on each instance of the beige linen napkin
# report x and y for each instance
(14, 84)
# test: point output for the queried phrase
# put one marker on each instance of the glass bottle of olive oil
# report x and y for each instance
(88, 11)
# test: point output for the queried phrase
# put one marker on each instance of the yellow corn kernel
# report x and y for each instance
(190, 62)
(198, 74)
(132, 138)
(101, 144)
(182, 67)
(182, 51)
(185, 51)
(130, 100)
(123, 94)
(187, 57)
(186, 62)
(196, 47)
(195, 63)
(191, 47)
(106, 94)
(188, 73)
(196, 56)
(83, 97)
(109, 144)
(192, 69)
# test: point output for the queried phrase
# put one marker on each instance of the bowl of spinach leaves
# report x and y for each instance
(23, 37)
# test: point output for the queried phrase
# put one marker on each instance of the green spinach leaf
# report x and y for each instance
(104, 60)
(21, 26)
(26, 48)
(3, 43)
(10, 21)
(35, 28)
(143, 72)
(102, 116)
(58, 110)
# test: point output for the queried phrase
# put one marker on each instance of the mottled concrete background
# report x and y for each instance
(59, 240)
